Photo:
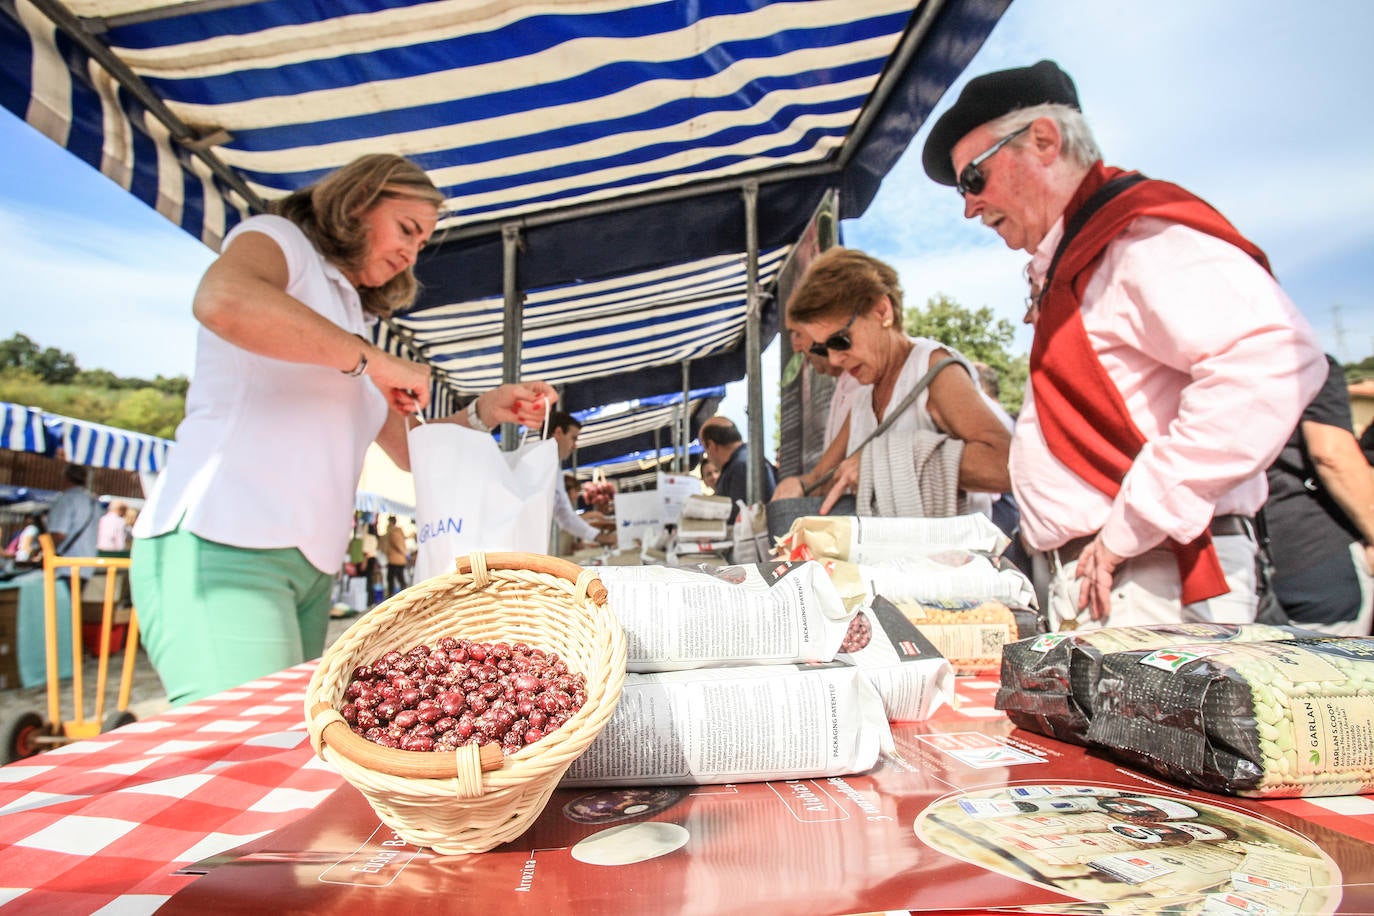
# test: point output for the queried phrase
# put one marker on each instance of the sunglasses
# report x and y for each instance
(840, 340)
(971, 177)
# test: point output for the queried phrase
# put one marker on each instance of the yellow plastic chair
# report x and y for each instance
(38, 735)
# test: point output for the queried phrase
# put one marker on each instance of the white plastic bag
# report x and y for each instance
(470, 495)
(752, 544)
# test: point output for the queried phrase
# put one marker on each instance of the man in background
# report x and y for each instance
(564, 429)
(397, 558)
(112, 533)
(725, 448)
(74, 517)
(1320, 518)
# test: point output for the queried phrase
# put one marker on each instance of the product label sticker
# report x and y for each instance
(1130, 869)
(976, 749)
(988, 807)
(1174, 659)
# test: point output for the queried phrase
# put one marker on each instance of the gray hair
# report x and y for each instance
(1078, 143)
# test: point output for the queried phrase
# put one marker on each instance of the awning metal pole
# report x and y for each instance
(753, 349)
(684, 436)
(513, 320)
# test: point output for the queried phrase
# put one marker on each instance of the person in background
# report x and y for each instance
(1166, 370)
(991, 384)
(1367, 442)
(27, 549)
(1320, 518)
(372, 567)
(852, 303)
(397, 558)
(564, 429)
(74, 517)
(236, 550)
(710, 475)
(726, 449)
(112, 535)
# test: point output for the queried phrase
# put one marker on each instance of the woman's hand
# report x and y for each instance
(525, 403)
(405, 383)
(846, 480)
(789, 488)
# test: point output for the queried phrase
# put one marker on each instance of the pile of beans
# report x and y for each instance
(461, 692)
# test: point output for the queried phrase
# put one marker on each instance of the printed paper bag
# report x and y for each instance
(470, 495)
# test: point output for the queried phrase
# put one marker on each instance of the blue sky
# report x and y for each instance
(1256, 106)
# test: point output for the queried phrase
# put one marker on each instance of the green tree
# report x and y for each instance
(19, 352)
(149, 411)
(1361, 370)
(52, 365)
(979, 335)
(51, 380)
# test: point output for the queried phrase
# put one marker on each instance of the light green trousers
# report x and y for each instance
(213, 616)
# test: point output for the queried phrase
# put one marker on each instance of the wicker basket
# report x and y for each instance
(445, 801)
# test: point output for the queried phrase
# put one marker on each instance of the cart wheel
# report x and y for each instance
(118, 719)
(19, 734)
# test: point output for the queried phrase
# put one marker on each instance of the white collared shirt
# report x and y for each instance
(270, 452)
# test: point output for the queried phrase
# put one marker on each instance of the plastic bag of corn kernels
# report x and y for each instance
(1273, 719)
(1048, 682)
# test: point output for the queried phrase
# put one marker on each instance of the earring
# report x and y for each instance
(887, 322)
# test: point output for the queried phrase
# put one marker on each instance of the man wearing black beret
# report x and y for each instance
(1167, 367)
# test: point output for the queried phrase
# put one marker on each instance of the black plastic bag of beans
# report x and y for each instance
(1049, 681)
(1269, 719)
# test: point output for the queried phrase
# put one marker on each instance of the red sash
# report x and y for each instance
(1082, 414)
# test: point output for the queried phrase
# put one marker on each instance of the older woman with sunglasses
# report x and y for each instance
(851, 304)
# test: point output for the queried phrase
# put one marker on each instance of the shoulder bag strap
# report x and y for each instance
(891, 417)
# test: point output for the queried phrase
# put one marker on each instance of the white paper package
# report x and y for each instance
(936, 577)
(724, 725)
(911, 676)
(766, 614)
(869, 539)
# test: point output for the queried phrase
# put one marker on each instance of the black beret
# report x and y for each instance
(988, 97)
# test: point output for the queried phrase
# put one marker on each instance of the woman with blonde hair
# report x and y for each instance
(236, 550)
(850, 304)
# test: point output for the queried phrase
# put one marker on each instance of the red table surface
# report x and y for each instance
(110, 821)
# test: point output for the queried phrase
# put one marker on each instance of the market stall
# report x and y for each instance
(222, 807)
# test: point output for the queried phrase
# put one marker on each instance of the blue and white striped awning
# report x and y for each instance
(29, 429)
(611, 160)
(614, 429)
(381, 505)
(22, 429)
(98, 446)
(637, 469)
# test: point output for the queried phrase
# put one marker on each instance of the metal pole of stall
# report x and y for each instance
(753, 345)
(684, 463)
(512, 321)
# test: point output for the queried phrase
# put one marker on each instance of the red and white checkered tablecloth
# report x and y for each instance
(109, 820)
(104, 824)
